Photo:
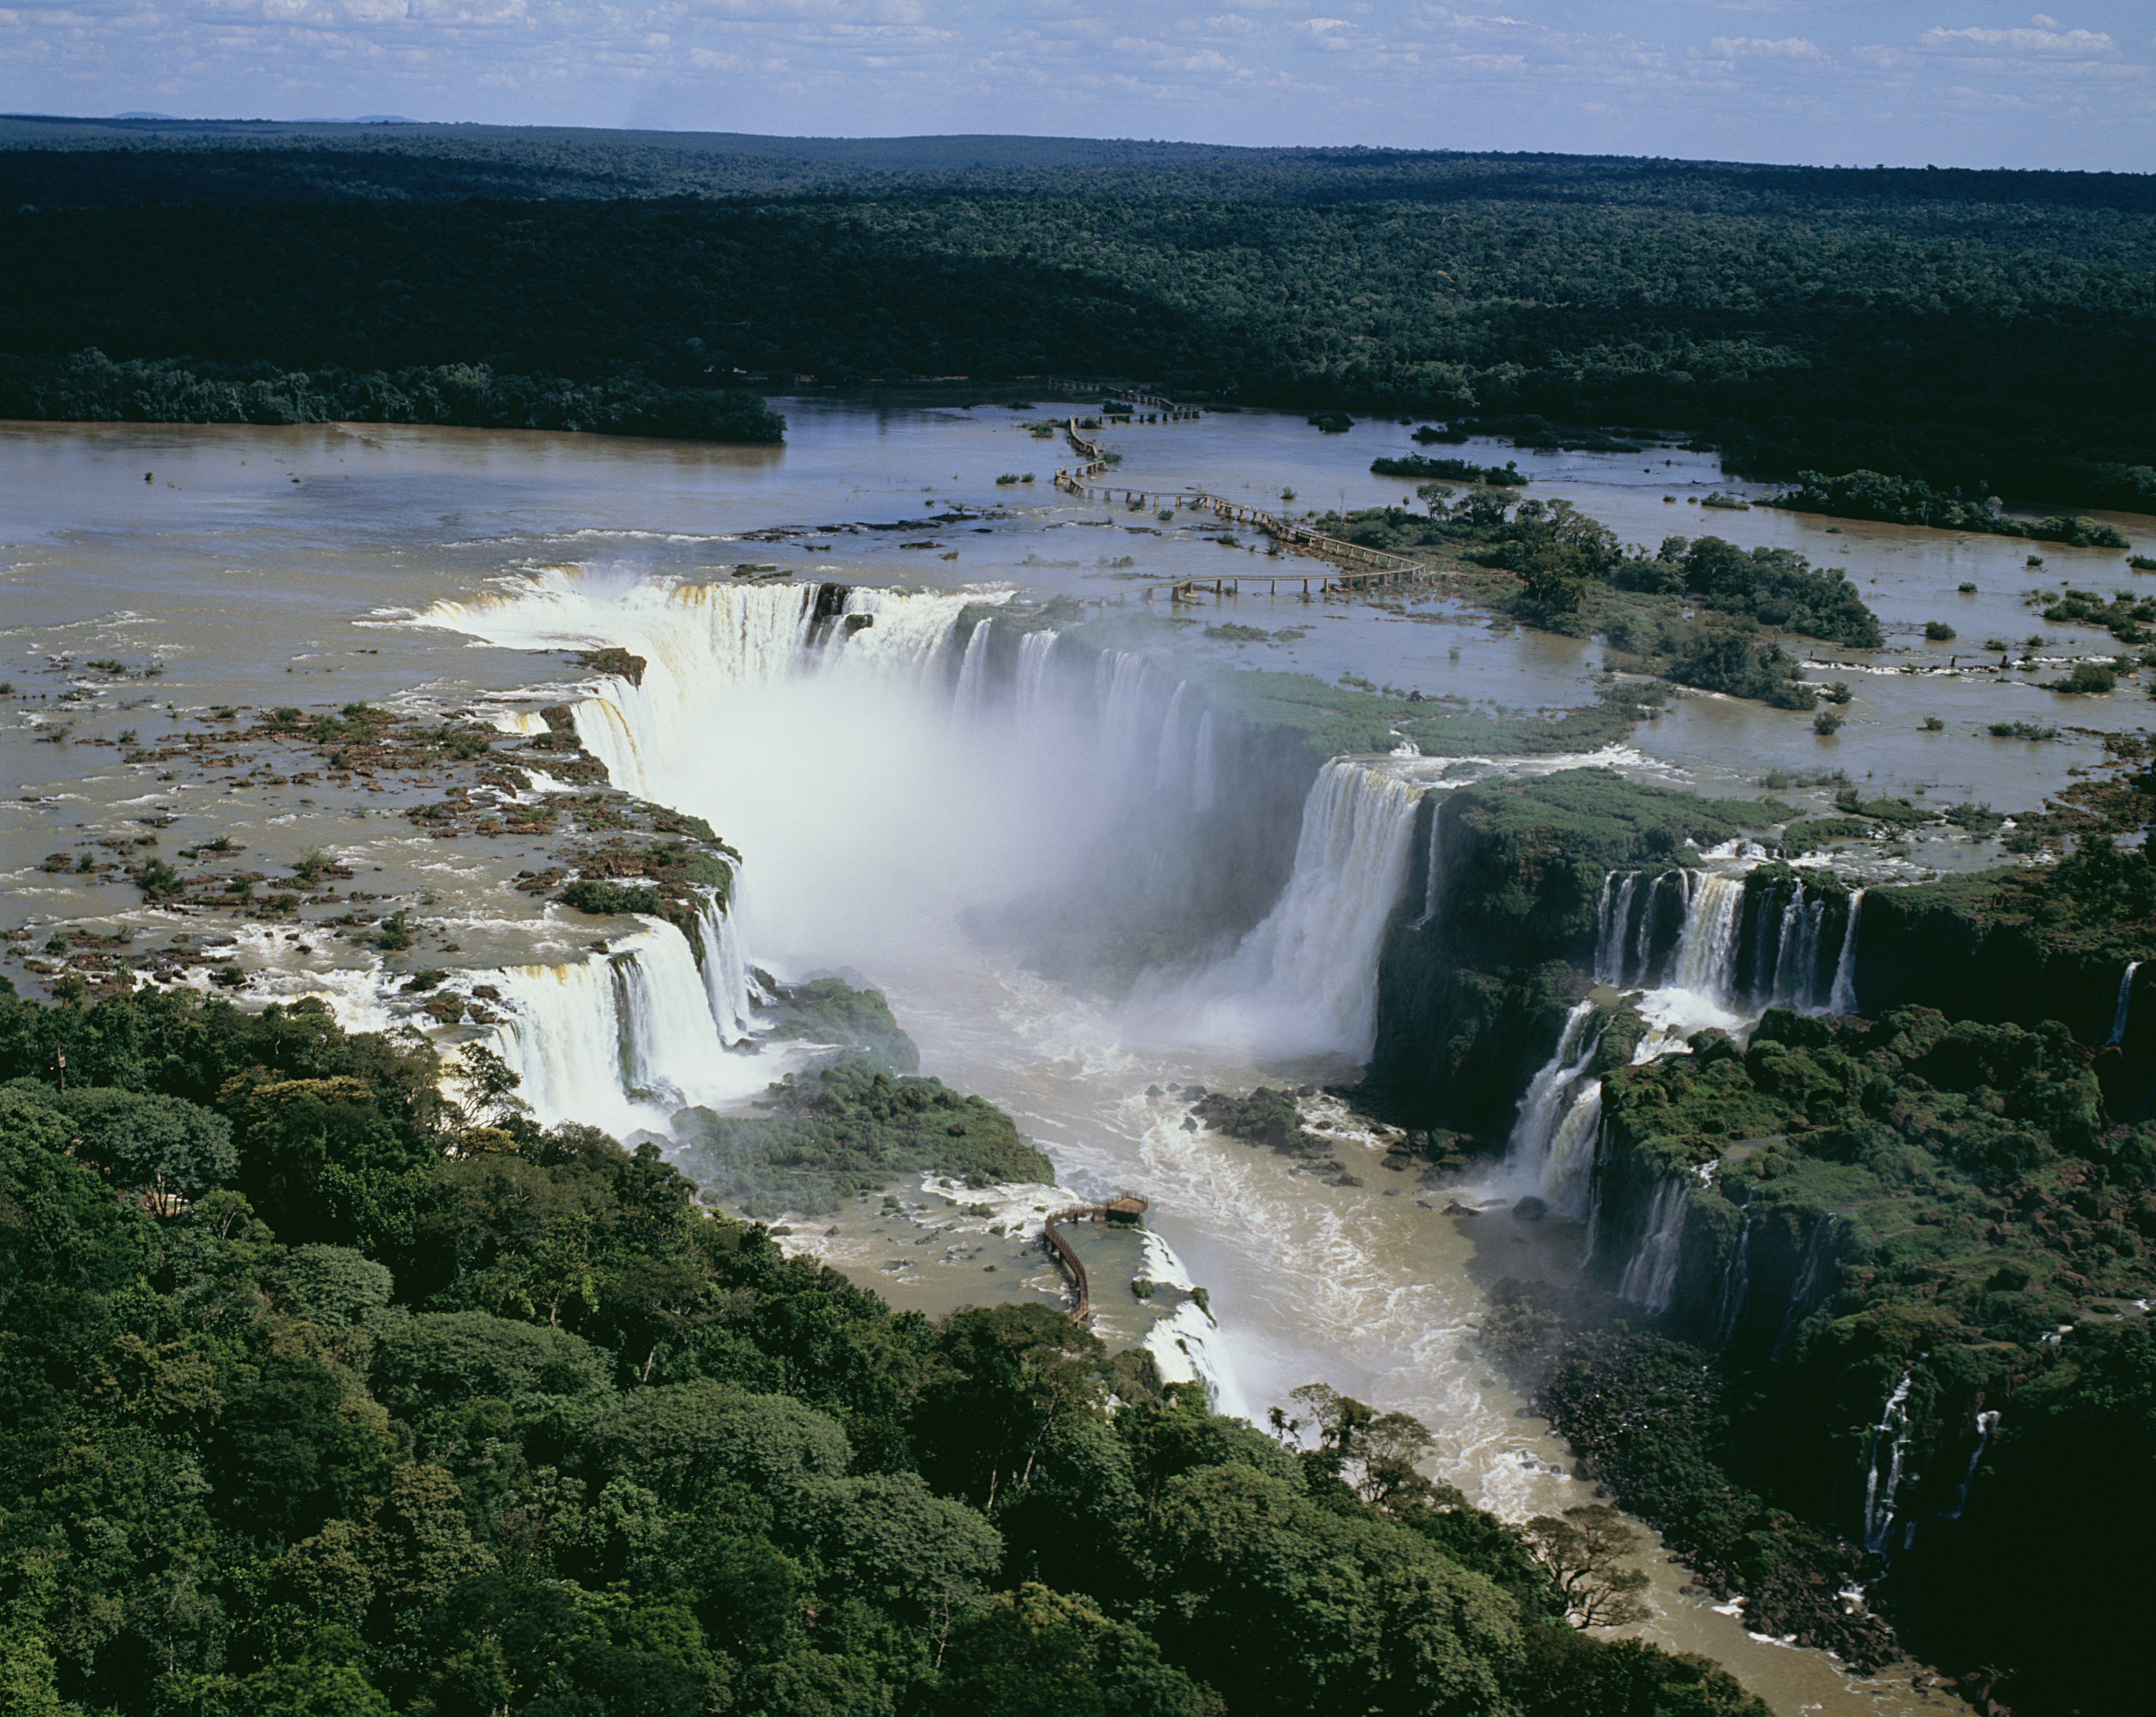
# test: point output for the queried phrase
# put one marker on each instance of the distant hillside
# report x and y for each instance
(1990, 333)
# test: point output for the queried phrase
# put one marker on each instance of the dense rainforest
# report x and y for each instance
(320, 1393)
(1978, 333)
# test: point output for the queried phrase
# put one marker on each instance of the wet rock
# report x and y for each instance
(1454, 1208)
(1530, 1209)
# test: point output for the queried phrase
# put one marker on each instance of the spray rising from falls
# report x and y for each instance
(1306, 979)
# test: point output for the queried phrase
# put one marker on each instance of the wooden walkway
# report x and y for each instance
(1364, 568)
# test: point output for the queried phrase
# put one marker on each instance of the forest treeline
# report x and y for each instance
(321, 1393)
(1989, 333)
(88, 387)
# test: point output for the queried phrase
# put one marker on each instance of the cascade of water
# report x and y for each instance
(1124, 683)
(908, 632)
(1735, 1284)
(1803, 1291)
(1569, 1167)
(1548, 1094)
(1612, 916)
(1652, 1271)
(620, 1041)
(1169, 763)
(1795, 979)
(1307, 975)
(1706, 947)
(1544, 1093)
(1889, 1440)
(1204, 767)
(2125, 1005)
(1986, 1423)
(1843, 1000)
(1596, 1156)
(972, 672)
(1643, 952)
(726, 974)
(1034, 651)
(1433, 876)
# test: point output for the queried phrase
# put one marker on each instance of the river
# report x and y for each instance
(442, 571)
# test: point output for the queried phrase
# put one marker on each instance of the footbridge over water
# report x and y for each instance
(1364, 568)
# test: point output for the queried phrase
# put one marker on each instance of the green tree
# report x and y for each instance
(1583, 1551)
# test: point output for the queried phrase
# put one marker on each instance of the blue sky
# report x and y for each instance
(1955, 82)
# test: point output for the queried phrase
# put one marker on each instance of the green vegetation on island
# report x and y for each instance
(1910, 500)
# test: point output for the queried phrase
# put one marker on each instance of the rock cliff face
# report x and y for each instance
(1882, 1263)
(1913, 1245)
(2005, 949)
(1481, 964)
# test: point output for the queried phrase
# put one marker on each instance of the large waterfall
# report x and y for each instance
(1306, 979)
(623, 1040)
(1552, 1148)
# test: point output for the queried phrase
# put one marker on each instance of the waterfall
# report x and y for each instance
(2125, 1005)
(1034, 651)
(1804, 1290)
(1204, 767)
(1735, 1284)
(1169, 762)
(1843, 1000)
(1645, 947)
(972, 670)
(1652, 1272)
(1307, 977)
(1434, 873)
(1889, 1440)
(1797, 953)
(1124, 686)
(622, 1040)
(1548, 1099)
(1607, 928)
(1707, 949)
(725, 973)
(1986, 1423)
(1569, 1167)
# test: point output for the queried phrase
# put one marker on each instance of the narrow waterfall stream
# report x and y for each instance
(881, 798)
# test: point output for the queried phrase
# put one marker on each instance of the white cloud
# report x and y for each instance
(1759, 48)
(2019, 41)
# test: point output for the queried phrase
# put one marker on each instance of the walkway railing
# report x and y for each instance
(1365, 566)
